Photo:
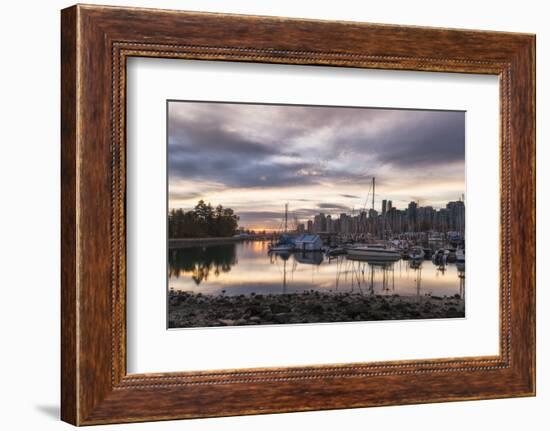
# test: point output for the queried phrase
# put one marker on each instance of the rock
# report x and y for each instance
(174, 301)
(316, 309)
(354, 310)
(202, 310)
(402, 306)
(255, 310)
(385, 306)
(267, 314)
(277, 308)
(282, 317)
(226, 322)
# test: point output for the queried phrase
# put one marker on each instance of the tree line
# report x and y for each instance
(204, 221)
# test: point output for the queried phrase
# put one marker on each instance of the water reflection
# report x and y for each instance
(247, 267)
(200, 262)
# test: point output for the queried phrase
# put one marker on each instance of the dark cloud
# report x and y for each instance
(184, 195)
(201, 148)
(263, 146)
(419, 139)
(235, 171)
(332, 206)
(192, 134)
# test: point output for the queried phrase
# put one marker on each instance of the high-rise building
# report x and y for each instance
(457, 215)
(329, 227)
(319, 223)
(411, 216)
(345, 224)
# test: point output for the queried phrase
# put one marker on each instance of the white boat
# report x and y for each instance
(435, 237)
(460, 255)
(416, 253)
(440, 256)
(374, 252)
(281, 247)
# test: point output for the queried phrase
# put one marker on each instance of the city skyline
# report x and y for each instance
(389, 220)
(256, 158)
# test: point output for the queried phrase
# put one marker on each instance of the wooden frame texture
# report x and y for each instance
(95, 43)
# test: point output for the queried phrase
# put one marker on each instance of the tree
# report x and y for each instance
(203, 221)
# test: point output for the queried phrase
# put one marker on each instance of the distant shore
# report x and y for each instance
(193, 242)
(188, 310)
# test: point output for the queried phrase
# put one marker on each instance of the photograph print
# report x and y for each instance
(295, 214)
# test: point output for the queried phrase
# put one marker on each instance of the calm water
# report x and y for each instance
(246, 267)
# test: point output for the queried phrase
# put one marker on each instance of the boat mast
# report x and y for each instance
(286, 217)
(373, 191)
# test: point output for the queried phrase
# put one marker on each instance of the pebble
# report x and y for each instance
(190, 310)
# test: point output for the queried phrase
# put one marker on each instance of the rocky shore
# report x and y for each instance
(193, 310)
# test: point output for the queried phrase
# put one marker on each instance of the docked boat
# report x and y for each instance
(374, 252)
(428, 253)
(285, 244)
(309, 257)
(416, 253)
(307, 242)
(435, 237)
(460, 255)
(281, 248)
(451, 255)
(336, 251)
(440, 256)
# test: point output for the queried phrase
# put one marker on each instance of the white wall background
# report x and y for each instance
(29, 215)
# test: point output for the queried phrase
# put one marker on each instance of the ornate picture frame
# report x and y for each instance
(96, 41)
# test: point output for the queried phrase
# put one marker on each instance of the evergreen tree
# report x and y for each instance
(202, 222)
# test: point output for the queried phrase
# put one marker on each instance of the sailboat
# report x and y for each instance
(416, 253)
(373, 252)
(281, 247)
(285, 244)
(460, 255)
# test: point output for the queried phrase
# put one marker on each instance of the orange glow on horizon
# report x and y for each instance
(259, 229)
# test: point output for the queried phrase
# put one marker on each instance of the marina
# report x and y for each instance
(310, 214)
(354, 268)
(248, 267)
(218, 285)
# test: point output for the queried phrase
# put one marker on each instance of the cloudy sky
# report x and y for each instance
(255, 158)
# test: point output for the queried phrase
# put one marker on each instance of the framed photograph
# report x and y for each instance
(264, 214)
(298, 233)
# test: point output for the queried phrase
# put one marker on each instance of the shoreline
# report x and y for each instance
(193, 242)
(196, 310)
